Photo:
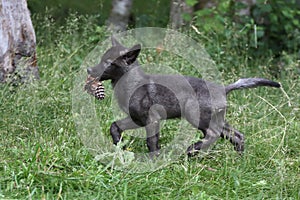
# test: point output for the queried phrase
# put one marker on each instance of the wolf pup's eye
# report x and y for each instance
(107, 63)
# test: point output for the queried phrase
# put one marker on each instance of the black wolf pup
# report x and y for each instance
(148, 99)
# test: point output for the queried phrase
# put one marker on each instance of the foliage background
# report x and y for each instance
(271, 29)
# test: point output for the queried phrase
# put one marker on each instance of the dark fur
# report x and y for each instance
(147, 99)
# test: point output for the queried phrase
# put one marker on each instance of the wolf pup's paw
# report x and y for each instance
(94, 88)
(239, 148)
(154, 154)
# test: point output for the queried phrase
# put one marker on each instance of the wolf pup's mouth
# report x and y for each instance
(94, 87)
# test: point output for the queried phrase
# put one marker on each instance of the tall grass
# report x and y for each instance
(42, 157)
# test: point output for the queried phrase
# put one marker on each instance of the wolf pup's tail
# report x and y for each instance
(251, 83)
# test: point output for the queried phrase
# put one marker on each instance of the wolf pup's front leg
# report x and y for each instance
(152, 130)
(115, 133)
(118, 127)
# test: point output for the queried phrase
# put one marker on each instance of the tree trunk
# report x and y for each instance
(17, 43)
(119, 16)
(178, 9)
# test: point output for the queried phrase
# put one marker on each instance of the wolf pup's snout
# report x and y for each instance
(94, 72)
(89, 70)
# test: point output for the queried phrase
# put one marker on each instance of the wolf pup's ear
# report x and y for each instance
(115, 42)
(132, 54)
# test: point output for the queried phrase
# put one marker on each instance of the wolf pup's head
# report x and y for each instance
(115, 62)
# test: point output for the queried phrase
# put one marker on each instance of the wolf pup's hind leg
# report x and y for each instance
(210, 137)
(234, 136)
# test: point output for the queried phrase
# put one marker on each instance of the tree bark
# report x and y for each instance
(178, 9)
(17, 42)
(119, 16)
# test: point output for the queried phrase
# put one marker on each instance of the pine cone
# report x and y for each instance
(94, 87)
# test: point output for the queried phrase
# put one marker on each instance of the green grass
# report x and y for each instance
(42, 156)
